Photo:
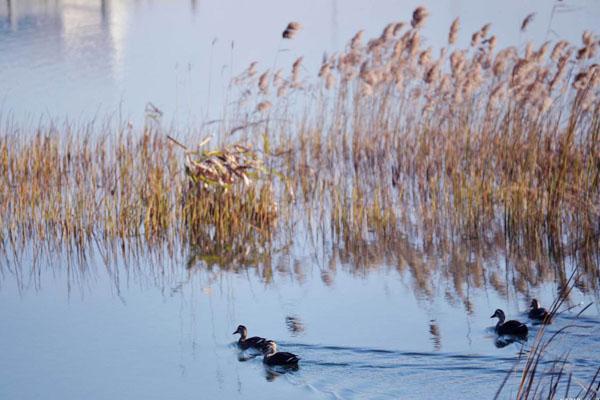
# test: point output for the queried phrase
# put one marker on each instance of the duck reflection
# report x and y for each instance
(272, 373)
(244, 356)
(505, 340)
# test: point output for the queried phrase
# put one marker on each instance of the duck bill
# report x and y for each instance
(493, 316)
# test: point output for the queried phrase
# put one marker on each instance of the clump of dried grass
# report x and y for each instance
(224, 167)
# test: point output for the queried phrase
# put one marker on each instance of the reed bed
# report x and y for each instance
(388, 139)
(71, 189)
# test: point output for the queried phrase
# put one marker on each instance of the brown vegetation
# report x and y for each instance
(497, 147)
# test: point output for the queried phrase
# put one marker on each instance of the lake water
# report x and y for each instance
(78, 59)
(156, 329)
(406, 322)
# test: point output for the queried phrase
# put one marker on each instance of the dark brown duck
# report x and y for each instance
(511, 327)
(273, 357)
(245, 343)
(539, 313)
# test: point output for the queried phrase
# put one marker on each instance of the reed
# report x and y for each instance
(388, 137)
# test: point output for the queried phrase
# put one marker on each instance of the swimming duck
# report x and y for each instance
(273, 357)
(539, 313)
(511, 327)
(255, 342)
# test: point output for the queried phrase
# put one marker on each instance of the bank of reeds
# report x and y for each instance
(475, 143)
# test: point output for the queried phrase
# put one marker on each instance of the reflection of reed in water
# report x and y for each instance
(294, 325)
(436, 337)
(481, 265)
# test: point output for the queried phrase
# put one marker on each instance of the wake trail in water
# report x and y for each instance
(342, 372)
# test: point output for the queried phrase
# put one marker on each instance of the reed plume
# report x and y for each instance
(453, 34)
(528, 19)
(419, 16)
(291, 30)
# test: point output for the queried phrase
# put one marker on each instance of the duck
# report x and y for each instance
(539, 313)
(245, 343)
(273, 357)
(511, 327)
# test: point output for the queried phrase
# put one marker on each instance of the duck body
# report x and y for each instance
(510, 327)
(539, 313)
(273, 357)
(254, 342)
(281, 358)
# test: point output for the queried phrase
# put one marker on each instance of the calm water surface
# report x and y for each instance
(154, 329)
(77, 59)
(159, 329)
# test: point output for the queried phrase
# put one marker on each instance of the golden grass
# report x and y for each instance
(469, 144)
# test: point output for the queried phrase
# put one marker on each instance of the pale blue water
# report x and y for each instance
(157, 330)
(78, 59)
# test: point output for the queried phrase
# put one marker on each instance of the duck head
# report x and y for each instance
(241, 329)
(499, 314)
(535, 304)
(270, 347)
